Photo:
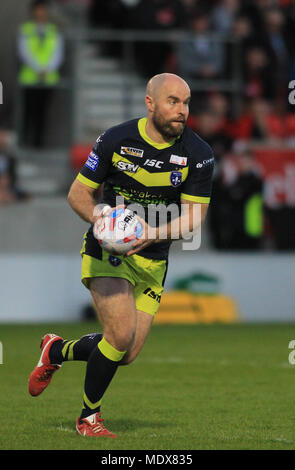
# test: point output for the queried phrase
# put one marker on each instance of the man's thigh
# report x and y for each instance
(115, 305)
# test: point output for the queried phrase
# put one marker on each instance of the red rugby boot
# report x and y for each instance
(93, 426)
(42, 374)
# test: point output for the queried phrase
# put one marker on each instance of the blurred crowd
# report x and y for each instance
(249, 44)
(245, 44)
(9, 190)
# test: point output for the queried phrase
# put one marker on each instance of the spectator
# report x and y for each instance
(192, 6)
(158, 15)
(282, 227)
(260, 122)
(254, 10)
(40, 49)
(218, 104)
(236, 210)
(200, 56)
(224, 14)
(244, 32)
(210, 127)
(279, 42)
(9, 191)
(259, 75)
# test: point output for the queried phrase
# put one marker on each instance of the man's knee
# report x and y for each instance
(121, 340)
(128, 358)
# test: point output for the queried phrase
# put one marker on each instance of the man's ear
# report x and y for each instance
(149, 103)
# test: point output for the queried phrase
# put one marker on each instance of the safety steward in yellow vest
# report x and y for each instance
(40, 48)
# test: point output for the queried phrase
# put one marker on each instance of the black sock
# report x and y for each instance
(74, 350)
(101, 367)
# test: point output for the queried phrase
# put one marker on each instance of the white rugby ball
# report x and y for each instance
(119, 231)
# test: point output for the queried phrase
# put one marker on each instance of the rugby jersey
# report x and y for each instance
(144, 172)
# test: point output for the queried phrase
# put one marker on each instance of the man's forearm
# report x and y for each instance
(85, 209)
(83, 203)
(190, 220)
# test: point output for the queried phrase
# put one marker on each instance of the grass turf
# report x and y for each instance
(192, 387)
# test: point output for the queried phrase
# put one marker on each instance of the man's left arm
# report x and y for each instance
(190, 220)
(195, 198)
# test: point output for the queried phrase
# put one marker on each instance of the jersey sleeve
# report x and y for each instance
(96, 168)
(197, 186)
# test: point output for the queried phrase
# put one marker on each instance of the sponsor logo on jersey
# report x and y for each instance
(132, 151)
(114, 261)
(125, 166)
(141, 197)
(205, 163)
(177, 160)
(92, 161)
(153, 162)
(175, 178)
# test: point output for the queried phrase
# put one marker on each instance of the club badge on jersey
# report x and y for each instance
(175, 178)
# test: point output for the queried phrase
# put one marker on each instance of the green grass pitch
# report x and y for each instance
(193, 387)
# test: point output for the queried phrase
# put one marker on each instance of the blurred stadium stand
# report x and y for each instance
(242, 110)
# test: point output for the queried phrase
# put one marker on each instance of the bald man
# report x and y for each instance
(152, 161)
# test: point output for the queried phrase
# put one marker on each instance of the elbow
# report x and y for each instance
(70, 197)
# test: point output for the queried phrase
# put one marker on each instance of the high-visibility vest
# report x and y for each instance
(253, 216)
(41, 50)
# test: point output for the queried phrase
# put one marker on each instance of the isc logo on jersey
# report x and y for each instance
(153, 162)
(132, 151)
(124, 166)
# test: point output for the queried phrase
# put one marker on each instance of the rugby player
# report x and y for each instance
(152, 160)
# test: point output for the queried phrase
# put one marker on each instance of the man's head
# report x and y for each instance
(40, 11)
(167, 101)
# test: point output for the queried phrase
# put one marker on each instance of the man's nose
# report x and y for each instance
(182, 109)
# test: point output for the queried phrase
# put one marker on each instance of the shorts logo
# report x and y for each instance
(132, 151)
(175, 178)
(177, 160)
(150, 293)
(92, 161)
(114, 261)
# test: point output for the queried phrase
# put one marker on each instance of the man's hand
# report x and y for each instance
(144, 240)
(105, 212)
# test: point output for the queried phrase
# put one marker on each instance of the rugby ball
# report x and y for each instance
(118, 231)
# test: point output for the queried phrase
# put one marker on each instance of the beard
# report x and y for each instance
(168, 129)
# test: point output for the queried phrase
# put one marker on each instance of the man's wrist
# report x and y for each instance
(99, 211)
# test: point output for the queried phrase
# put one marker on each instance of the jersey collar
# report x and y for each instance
(141, 128)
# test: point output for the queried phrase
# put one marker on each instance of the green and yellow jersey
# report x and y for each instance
(145, 172)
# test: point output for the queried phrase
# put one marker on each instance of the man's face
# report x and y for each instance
(40, 14)
(171, 109)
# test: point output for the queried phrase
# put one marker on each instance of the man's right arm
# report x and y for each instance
(81, 200)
